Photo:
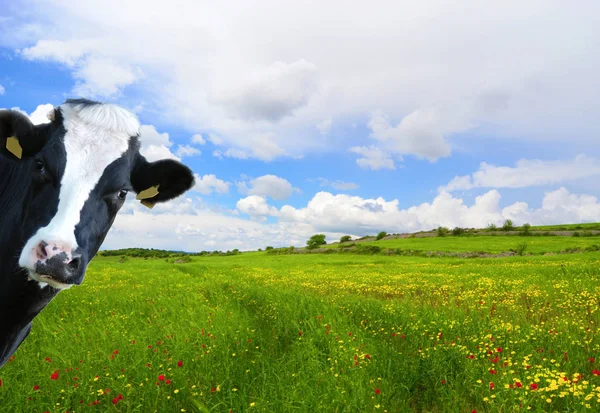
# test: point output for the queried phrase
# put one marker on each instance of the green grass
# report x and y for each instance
(485, 243)
(312, 333)
(567, 227)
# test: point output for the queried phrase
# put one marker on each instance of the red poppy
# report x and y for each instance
(518, 384)
(367, 357)
(492, 385)
(596, 372)
(533, 386)
(592, 359)
(496, 359)
(161, 377)
(48, 360)
(377, 391)
(299, 333)
(36, 387)
(214, 389)
(179, 363)
(499, 349)
(473, 411)
(443, 381)
(492, 371)
(54, 375)
(168, 381)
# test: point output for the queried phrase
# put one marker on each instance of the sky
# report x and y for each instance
(325, 117)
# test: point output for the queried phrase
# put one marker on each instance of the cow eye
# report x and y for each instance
(39, 165)
(122, 194)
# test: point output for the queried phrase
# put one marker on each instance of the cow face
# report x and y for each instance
(82, 166)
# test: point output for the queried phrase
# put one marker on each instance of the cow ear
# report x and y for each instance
(19, 138)
(160, 181)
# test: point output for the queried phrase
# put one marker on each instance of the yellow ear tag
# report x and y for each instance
(147, 203)
(148, 193)
(13, 146)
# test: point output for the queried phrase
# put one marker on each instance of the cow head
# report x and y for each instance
(80, 168)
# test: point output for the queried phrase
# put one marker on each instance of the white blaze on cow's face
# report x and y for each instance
(95, 136)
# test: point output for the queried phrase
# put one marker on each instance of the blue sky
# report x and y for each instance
(396, 116)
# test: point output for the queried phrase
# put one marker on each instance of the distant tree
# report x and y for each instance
(381, 235)
(268, 247)
(492, 227)
(345, 238)
(457, 231)
(442, 231)
(508, 225)
(315, 241)
(526, 229)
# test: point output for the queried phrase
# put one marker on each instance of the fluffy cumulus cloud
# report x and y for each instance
(338, 185)
(212, 68)
(270, 93)
(373, 158)
(198, 139)
(187, 150)
(267, 186)
(188, 224)
(209, 184)
(256, 206)
(527, 173)
(155, 145)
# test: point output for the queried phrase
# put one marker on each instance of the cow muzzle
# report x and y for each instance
(57, 265)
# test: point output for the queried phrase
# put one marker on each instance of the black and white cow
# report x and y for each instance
(60, 191)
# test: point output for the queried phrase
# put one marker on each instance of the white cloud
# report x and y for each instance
(263, 147)
(527, 173)
(208, 184)
(101, 77)
(270, 93)
(373, 158)
(184, 224)
(155, 145)
(422, 133)
(267, 186)
(198, 139)
(40, 114)
(187, 150)
(214, 69)
(339, 185)
(256, 206)
(325, 126)
(2, 90)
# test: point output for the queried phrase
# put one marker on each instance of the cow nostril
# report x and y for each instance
(75, 264)
(41, 250)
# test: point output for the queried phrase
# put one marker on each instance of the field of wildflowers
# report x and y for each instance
(312, 333)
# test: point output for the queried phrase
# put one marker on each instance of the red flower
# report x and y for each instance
(214, 389)
(95, 402)
(518, 384)
(596, 372)
(499, 349)
(36, 387)
(492, 385)
(161, 377)
(168, 381)
(300, 333)
(179, 363)
(473, 411)
(443, 381)
(48, 360)
(115, 400)
(54, 375)
(377, 391)
(492, 371)
(116, 352)
(496, 359)
(367, 357)
(533, 386)
(592, 359)
(0, 382)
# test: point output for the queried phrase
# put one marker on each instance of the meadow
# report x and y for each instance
(317, 333)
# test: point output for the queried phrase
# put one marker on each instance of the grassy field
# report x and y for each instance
(317, 333)
(485, 243)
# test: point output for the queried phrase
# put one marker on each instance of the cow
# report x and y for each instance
(61, 186)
